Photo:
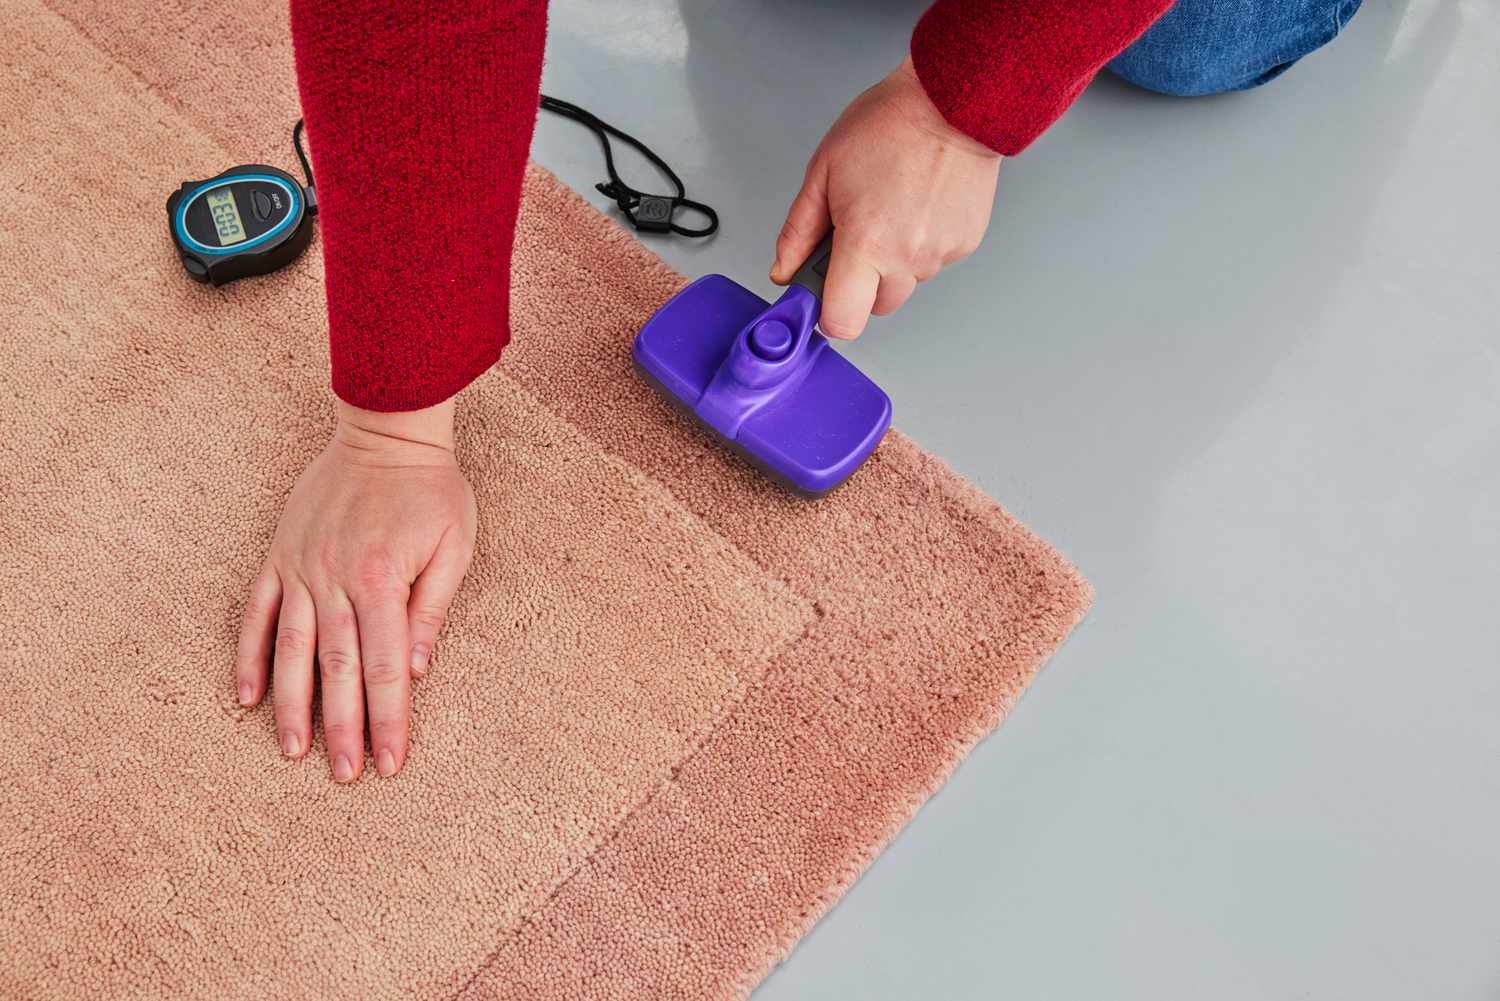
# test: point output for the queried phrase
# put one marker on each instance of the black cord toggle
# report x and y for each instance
(647, 213)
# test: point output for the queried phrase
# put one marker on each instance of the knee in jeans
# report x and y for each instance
(1178, 74)
(1197, 48)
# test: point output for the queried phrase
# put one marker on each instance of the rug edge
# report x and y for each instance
(1067, 581)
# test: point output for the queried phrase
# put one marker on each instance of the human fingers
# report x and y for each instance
(806, 222)
(895, 289)
(292, 691)
(252, 659)
(343, 688)
(432, 593)
(849, 290)
(385, 659)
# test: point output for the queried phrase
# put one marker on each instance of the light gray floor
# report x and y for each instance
(1237, 357)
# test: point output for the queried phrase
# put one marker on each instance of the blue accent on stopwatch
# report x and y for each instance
(180, 221)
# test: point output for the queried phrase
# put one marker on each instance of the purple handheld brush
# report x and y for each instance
(759, 375)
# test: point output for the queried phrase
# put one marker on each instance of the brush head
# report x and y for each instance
(760, 376)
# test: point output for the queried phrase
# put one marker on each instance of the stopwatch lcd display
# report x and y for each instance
(226, 216)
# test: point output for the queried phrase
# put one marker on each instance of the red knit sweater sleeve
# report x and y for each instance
(419, 117)
(1002, 71)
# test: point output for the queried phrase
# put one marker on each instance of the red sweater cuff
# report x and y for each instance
(1002, 71)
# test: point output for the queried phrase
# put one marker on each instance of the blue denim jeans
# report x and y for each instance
(1212, 46)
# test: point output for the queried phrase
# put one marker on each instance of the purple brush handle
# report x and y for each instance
(766, 361)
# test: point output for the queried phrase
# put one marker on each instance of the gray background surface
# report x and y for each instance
(1237, 357)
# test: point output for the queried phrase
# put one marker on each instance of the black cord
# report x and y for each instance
(652, 213)
(297, 142)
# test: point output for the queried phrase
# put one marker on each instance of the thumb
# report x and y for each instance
(433, 592)
(806, 222)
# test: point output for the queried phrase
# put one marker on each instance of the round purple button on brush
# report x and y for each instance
(771, 340)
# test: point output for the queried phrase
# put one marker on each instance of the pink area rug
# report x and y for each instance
(675, 712)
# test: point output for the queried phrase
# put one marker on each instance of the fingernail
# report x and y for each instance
(247, 693)
(385, 764)
(290, 745)
(342, 769)
(420, 652)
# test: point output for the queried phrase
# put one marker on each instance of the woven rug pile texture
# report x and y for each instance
(675, 712)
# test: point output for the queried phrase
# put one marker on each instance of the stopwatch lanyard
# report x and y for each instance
(651, 213)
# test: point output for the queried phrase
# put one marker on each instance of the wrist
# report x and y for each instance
(923, 114)
(409, 429)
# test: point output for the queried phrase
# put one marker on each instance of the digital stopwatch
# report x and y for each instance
(246, 221)
(253, 219)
